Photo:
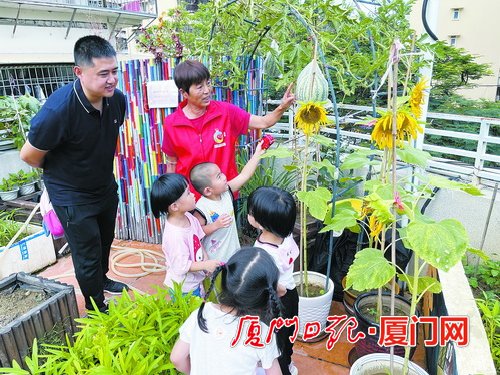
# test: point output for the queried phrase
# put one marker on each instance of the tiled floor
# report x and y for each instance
(309, 357)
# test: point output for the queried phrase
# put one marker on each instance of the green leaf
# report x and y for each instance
(316, 201)
(413, 156)
(322, 140)
(341, 220)
(424, 283)
(325, 163)
(278, 152)
(481, 254)
(370, 270)
(359, 158)
(446, 183)
(441, 244)
(381, 208)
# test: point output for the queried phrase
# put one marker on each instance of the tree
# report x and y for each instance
(226, 33)
(455, 68)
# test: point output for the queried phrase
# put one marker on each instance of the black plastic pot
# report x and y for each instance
(370, 344)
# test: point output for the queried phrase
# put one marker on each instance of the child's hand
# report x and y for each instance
(212, 264)
(224, 221)
(258, 150)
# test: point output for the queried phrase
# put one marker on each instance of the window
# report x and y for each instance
(453, 40)
(456, 13)
(37, 80)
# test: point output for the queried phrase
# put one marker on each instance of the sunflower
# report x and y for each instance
(417, 98)
(406, 128)
(375, 226)
(310, 117)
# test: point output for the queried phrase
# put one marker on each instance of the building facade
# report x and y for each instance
(37, 38)
(472, 25)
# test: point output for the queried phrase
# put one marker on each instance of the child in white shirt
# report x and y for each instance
(215, 209)
(205, 346)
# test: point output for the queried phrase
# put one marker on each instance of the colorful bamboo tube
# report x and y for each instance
(139, 159)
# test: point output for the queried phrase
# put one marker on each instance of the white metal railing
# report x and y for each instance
(475, 171)
(133, 6)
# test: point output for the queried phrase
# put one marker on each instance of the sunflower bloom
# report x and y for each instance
(375, 226)
(417, 98)
(406, 128)
(310, 118)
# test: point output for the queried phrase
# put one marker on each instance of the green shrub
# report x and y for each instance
(15, 116)
(136, 336)
(485, 276)
(484, 279)
(490, 314)
(7, 185)
(9, 227)
(22, 177)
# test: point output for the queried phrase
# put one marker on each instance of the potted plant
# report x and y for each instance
(15, 116)
(315, 289)
(23, 247)
(8, 190)
(389, 199)
(25, 180)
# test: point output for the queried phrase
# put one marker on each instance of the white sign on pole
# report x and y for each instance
(162, 94)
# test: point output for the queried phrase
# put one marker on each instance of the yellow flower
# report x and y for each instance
(417, 98)
(375, 226)
(310, 117)
(406, 128)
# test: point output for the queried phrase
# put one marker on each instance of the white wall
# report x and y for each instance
(33, 44)
(472, 212)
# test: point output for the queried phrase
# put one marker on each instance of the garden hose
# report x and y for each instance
(157, 264)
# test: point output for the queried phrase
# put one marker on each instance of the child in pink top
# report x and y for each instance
(186, 260)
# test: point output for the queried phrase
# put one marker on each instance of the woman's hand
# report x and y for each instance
(288, 98)
(258, 149)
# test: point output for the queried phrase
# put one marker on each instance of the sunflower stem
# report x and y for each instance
(303, 219)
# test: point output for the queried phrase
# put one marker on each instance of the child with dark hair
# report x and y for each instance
(186, 260)
(248, 287)
(273, 212)
(215, 209)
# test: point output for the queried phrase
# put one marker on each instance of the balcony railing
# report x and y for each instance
(146, 7)
(479, 162)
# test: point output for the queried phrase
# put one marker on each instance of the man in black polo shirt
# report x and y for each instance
(73, 138)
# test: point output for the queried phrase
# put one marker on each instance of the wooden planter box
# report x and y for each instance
(61, 308)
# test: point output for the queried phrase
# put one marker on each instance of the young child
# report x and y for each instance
(273, 211)
(215, 209)
(249, 281)
(185, 257)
